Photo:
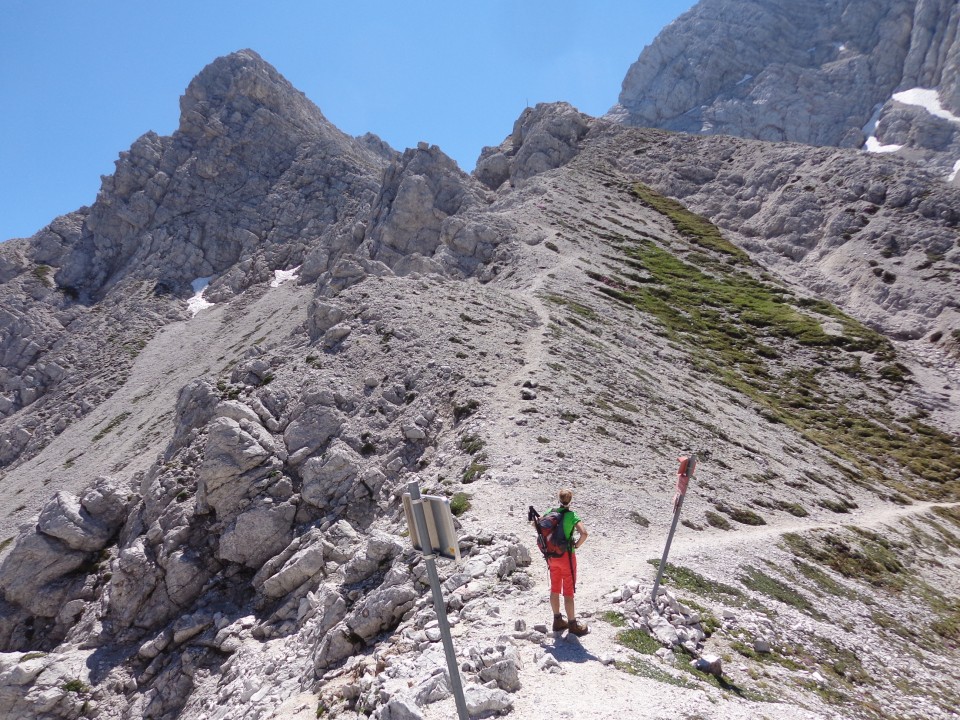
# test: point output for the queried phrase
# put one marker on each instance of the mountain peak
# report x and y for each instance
(236, 86)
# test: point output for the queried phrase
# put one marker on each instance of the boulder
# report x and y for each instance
(544, 138)
(328, 479)
(321, 316)
(484, 702)
(310, 431)
(64, 518)
(40, 574)
(224, 476)
(258, 534)
(379, 550)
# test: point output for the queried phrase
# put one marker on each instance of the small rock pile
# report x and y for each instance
(671, 622)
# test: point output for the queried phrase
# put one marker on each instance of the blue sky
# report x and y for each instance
(80, 81)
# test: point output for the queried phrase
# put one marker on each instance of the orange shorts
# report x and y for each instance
(562, 576)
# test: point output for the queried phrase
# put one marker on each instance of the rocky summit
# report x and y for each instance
(218, 381)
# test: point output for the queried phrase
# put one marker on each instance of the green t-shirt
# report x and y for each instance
(570, 520)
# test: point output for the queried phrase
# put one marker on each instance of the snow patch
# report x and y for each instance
(196, 303)
(956, 169)
(282, 276)
(873, 145)
(745, 78)
(927, 99)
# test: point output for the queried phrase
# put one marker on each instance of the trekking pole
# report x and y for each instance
(684, 474)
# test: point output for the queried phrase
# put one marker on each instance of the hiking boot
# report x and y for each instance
(575, 628)
(559, 624)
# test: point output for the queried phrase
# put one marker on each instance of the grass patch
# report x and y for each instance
(639, 519)
(75, 686)
(760, 582)
(869, 557)
(681, 578)
(717, 520)
(111, 426)
(42, 273)
(612, 617)
(639, 641)
(695, 227)
(471, 444)
(473, 472)
(744, 516)
(644, 668)
(763, 342)
(459, 503)
(6, 543)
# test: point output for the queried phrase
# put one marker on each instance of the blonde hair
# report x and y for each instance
(566, 496)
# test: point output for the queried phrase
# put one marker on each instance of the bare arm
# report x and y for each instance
(580, 528)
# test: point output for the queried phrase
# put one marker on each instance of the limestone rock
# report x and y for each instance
(817, 73)
(328, 480)
(257, 534)
(310, 430)
(38, 574)
(229, 466)
(420, 220)
(544, 137)
(64, 518)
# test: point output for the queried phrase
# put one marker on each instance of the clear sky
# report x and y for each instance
(80, 81)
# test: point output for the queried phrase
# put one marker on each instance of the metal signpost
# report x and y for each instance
(684, 475)
(430, 524)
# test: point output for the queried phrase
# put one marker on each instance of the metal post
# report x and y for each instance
(439, 605)
(686, 472)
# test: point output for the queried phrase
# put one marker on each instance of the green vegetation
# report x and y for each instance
(643, 668)
(111, 426)
(869, 558)
(32, 656)
(613, 618)
(695, 227)
(638, 640)
(471, 444)
(717, 520)
(474, 471)
(681, 578)
(459, 503)
(744, 516)
(639, 519)
(75, 686)
(464, 410)
(760, 582)
(42, 273)
(6, 543)
(762, 341)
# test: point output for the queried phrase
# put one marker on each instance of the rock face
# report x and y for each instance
(543, 138)
(821, 73)
(252, 174)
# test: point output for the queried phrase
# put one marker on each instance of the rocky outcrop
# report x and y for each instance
(254, 170)
(812, 73)
(425, 218)
(544, 137)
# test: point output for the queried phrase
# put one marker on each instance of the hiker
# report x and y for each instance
(563, 567)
